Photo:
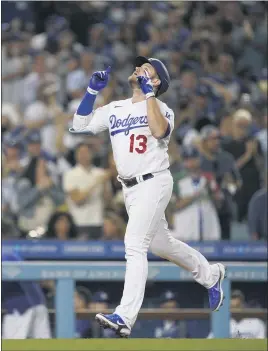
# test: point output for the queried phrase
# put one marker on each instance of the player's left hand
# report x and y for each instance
(146, 85)
(99, 80)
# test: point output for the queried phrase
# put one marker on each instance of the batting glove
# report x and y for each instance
(98, 81)
(146, 85)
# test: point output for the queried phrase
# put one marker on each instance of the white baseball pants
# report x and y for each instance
(33, 323)
(147, 228)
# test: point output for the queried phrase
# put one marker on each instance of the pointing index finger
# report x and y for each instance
(108, 70)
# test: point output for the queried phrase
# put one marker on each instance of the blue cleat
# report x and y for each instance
(215, 293)
(114, 322)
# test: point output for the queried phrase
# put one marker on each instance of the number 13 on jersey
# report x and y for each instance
(138, 143)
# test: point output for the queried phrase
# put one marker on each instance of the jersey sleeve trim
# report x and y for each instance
(81, 131)
(168, 130)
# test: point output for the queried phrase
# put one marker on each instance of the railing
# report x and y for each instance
(66, 273)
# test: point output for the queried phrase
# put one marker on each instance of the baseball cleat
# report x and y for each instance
(215, 293)
(114, 322)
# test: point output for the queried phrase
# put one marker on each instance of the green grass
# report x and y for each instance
(135, 345)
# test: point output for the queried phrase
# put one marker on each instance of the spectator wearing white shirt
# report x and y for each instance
(245, 328)
(87, 188)
(43, 113)
(33, 81)
(14, 66)
(196, 198)
(10, 117)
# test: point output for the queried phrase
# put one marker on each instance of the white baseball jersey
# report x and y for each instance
(246, 328)
(136, 151)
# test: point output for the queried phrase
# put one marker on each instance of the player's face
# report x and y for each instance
(144, 70)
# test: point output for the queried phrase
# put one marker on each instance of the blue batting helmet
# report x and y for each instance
(160, 69)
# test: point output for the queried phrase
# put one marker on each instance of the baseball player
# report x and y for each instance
(140, 129)
(25, 306)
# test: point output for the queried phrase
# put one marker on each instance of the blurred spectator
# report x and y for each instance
(61, 227)
(26, 314)
(75, 80)
(262, 137)
(222, 165)
(37, 194)
(37, 116)
(10, 117)
(201, 102)
(82, 297)
(13, 162)
(14, 68)
(224, 81)
(257, 215)
(196, 193)
(246, 328)
(34, 80)
(113, 227)
(168, 328)
(246, 151)
(100, 302)
(13, 165)
(86, 189)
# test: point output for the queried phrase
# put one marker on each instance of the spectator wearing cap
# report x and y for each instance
(100, 302)
(35, 152)
(202, 102)
(83, 327)
(196, 194)
(168, 328)
(245, 328)
(86, 188)
(222, 165)
(247, 153)
(257, 215)
(37, 194)
(13, 159)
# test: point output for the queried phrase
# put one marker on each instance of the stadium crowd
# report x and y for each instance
(57, 185)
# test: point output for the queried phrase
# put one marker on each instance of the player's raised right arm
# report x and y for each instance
(81, 120)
